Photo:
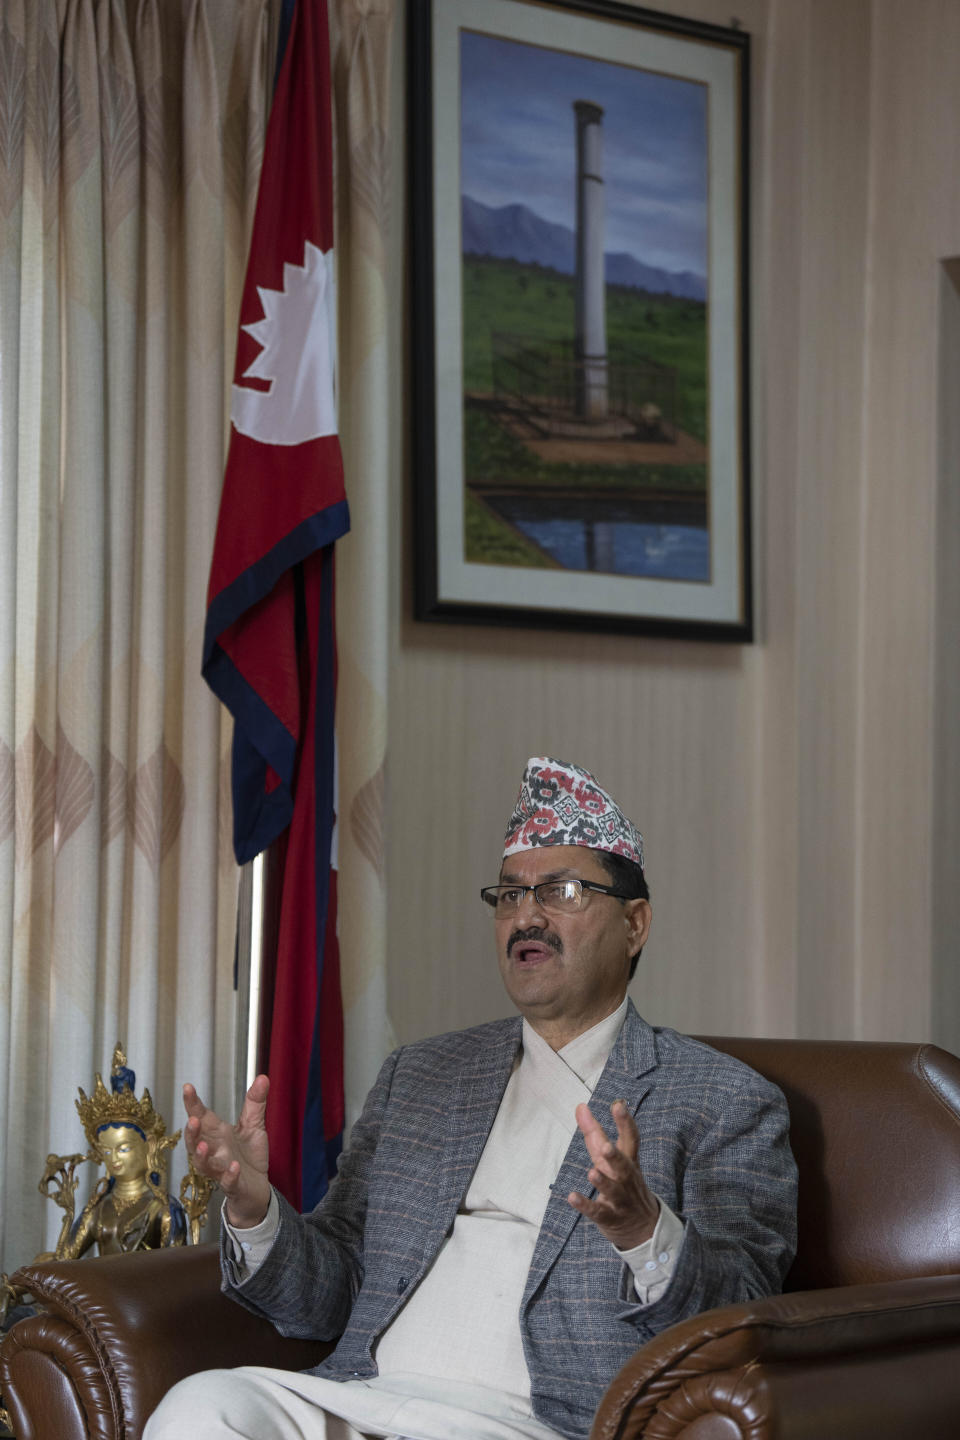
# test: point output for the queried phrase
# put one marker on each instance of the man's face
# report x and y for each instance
(567, 972)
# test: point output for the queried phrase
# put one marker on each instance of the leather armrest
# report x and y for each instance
(121, 1330)
(862, 1362)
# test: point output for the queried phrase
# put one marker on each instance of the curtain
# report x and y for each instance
(131, 134)
(361, 32)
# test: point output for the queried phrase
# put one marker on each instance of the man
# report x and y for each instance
(494, 1248)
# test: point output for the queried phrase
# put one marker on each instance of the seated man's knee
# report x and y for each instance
(209, 1403)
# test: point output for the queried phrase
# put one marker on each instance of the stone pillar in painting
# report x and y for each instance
(590, 335)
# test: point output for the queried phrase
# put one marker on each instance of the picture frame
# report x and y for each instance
(579, 318)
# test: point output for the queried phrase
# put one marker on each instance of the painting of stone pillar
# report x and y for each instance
(578, 311)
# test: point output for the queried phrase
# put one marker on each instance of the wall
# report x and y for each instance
(797, 795)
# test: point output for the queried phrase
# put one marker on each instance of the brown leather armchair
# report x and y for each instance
(865, 1343)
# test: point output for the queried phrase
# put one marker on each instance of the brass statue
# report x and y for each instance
(129, 1209)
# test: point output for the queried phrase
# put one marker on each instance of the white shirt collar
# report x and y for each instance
(585, 1054)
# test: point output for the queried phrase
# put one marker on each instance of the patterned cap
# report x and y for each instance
(560, 804)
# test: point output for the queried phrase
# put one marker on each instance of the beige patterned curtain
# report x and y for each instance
(361, 32)
(130, 141)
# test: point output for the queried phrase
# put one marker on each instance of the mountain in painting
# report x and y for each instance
(515, 232)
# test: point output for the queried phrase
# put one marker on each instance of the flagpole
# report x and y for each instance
(248, 961)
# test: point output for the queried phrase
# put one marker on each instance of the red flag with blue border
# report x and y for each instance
(269, 648)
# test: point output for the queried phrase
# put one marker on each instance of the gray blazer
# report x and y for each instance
(713, 1145)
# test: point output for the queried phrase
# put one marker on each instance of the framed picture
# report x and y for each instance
(579, 317)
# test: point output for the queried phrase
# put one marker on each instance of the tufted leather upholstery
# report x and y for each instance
(864, 1346)
(118, 1333)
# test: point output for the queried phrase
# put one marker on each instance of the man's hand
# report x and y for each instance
(623, 1209)
(233, 1155)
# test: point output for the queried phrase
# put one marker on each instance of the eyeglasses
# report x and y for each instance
(557, 897)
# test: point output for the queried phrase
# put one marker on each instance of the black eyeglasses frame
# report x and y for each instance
(489, 894)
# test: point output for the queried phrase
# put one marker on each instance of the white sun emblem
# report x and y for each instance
(296, 333)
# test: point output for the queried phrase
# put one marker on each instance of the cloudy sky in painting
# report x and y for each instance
(518, 145)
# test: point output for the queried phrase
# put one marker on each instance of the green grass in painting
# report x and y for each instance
(488, 540)
(503, 295)
(495, 457)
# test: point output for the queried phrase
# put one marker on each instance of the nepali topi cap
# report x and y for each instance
(562, 804)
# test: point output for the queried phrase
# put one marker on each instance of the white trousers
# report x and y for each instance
(254, 1402)
(251, 1402)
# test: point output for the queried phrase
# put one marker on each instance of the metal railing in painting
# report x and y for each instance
(545, 384)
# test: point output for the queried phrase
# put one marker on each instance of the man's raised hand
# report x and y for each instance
(624, 1210)
(233, 1155)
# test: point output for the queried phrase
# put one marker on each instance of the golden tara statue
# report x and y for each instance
(129, 1208)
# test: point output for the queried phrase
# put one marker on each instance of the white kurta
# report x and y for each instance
(451, 1364)
(463, 1321)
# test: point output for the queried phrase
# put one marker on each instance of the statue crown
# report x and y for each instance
(118, 1105)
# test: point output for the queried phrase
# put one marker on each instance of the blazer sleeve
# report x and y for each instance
(308, 1282)
(738, 1204)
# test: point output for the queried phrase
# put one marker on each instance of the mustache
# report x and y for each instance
(545, 937)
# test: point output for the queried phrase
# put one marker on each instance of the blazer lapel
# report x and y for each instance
(474, 1101)
(633, 1057)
